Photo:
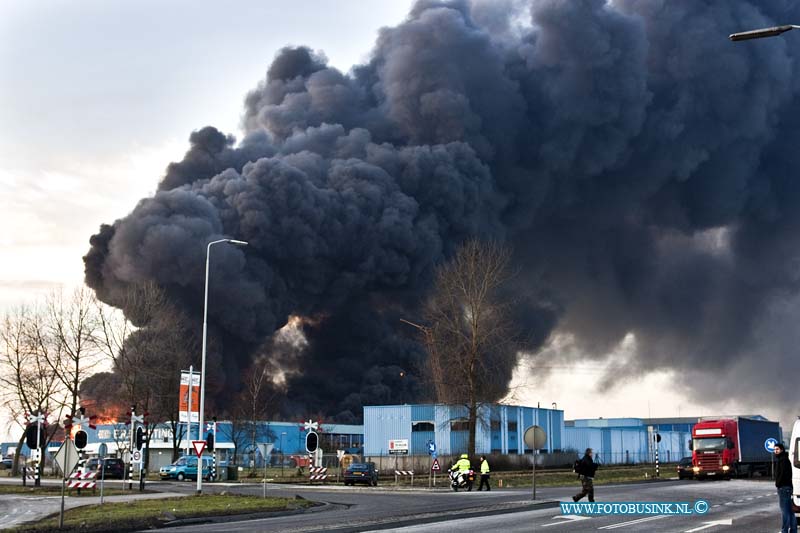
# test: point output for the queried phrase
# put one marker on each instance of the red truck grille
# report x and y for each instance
(709, 461)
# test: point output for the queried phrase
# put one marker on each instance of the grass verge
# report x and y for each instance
(549, 478)
(53, 490)
(147, 514)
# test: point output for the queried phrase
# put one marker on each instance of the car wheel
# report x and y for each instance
(374, 482)
(180, 476)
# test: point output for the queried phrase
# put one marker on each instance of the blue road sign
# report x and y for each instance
(431, 447)
(769, 444)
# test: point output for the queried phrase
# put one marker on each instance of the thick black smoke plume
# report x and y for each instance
(640, 164)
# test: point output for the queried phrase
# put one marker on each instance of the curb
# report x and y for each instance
(314, 507)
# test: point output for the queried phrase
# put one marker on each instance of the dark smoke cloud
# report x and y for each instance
(639, 163)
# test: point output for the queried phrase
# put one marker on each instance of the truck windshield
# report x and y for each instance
(715, 444)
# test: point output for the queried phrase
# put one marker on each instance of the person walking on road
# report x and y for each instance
(484, 474)
(586, 469)
(783, 482)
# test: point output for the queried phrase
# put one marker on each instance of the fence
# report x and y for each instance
(296, 466)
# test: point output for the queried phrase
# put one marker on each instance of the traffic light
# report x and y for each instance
(30, 436)
(80, 439)
(210, 441)
(658, 437)
(139, 438)
(312, 442)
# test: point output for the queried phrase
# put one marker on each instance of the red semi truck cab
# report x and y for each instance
(714, 447)
(736, 446)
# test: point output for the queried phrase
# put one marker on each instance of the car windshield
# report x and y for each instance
(709, 445)
(686, 461)
(181, 462)
(355, 467)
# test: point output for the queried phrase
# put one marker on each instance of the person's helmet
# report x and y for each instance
(464, 456)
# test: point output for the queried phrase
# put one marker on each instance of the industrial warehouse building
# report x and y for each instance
(500, 428)
(631, 440)
(499, 431)
(285, 438)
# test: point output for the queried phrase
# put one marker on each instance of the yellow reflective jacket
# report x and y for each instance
(463, 465)
(485, 467)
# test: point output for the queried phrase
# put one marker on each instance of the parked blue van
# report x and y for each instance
(186, 468)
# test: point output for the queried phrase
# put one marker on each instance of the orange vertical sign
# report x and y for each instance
(189, 382)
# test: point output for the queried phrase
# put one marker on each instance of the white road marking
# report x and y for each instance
(571, 518)
(725, 522)
(632, 522)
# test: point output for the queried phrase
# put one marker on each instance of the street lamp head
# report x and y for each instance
(760, 33)
(238, 243)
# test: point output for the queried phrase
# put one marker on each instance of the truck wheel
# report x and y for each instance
(180, 476)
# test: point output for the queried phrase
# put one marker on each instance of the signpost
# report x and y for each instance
(66, 458)
(339, 455)
(769, 445)
(199, 447)
(131, 446)
(535, 438)
(435, 468)
(101, 453)
(189, 407)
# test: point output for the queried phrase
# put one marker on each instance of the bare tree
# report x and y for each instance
(27, 386)
(148, 346)
(256, 398)
(238, 429)
(468, 334)
(72, 326)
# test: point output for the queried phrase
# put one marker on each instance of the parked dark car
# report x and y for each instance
(7, 462)
(685, 468)
(361, 473)
(114, 468)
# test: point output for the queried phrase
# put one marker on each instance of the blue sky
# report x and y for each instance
(97, 97)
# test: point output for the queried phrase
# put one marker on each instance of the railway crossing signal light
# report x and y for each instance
(139, 438)
(80, 439)
(312, 442)
(30, 436)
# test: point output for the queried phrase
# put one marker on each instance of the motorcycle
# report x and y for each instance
(459, 480)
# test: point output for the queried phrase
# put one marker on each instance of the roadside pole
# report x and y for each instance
(61, 514)
(189, 410)
(37, 482)
(534, 473)
(101, 453)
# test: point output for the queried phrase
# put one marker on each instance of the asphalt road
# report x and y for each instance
(738, 505)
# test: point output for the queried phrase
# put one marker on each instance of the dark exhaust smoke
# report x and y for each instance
(641, 166)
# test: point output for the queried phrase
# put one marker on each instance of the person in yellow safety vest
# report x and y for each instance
(463, 466)
(484, 474)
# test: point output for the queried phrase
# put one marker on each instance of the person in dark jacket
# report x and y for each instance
(586, 470)
(783, 482)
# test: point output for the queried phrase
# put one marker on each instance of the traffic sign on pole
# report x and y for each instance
(769, 444)
(67, 457)
(435, 466)
(199, 447)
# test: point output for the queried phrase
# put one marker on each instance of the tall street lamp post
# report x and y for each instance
(203, 360)
(762, 32)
